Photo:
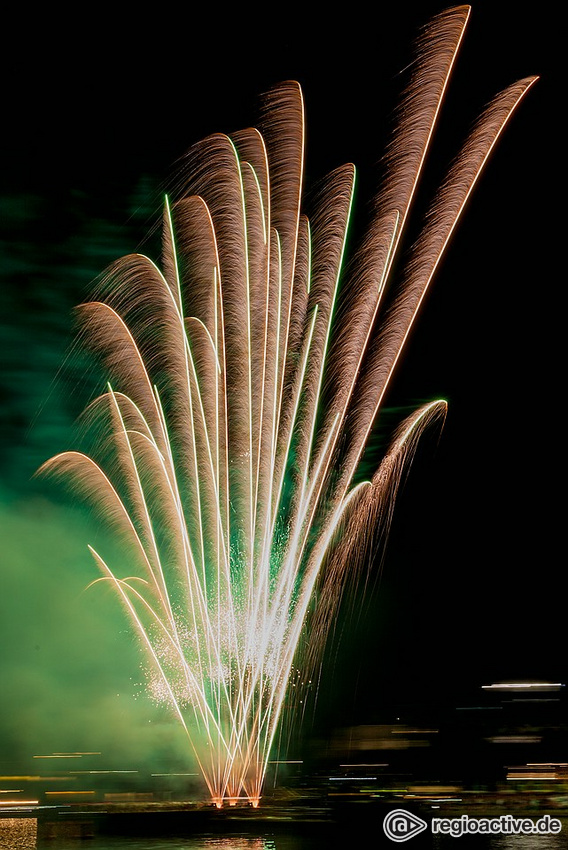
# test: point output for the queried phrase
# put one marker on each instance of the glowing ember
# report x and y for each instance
(244, 389)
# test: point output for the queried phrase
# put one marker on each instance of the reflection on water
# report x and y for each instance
(529, 842)
(18, 833)
(502, 842)
(203, 842)
(21, 834)
(194, 843)
(499, 842)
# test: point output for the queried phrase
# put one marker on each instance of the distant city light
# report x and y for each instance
(523, 686)
(69, 793)
(65, 755)
(405, 731)
(515, 739)
(383, 764)
(173, 774)
(350, 778)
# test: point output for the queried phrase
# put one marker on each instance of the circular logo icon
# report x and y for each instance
(400, 825)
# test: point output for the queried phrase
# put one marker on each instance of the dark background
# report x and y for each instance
(96, 110)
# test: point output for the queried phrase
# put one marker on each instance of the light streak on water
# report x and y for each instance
(245, 377)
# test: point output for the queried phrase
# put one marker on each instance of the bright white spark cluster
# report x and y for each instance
(245, 382)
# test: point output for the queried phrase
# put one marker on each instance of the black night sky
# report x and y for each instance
(96, 112)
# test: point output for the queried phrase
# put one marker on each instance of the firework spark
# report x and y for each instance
(244, 387)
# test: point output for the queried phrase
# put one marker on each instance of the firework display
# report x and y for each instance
(246, 373)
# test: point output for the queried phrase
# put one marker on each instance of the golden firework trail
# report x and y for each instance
(246, 374)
